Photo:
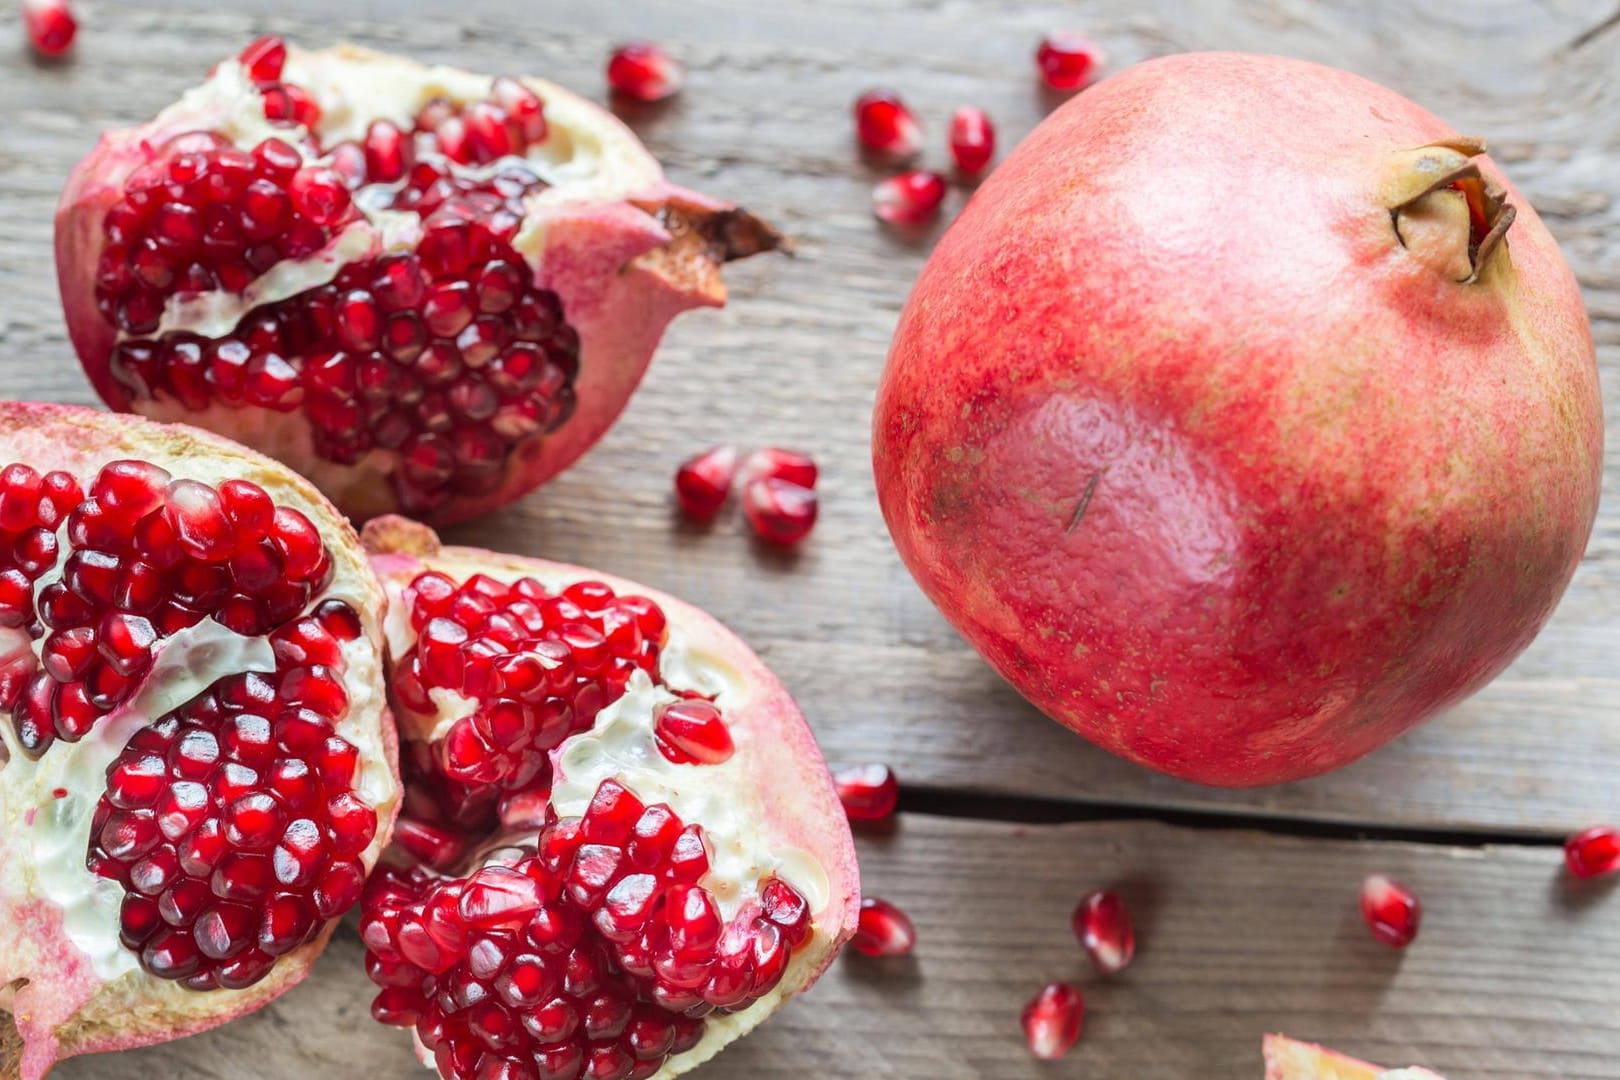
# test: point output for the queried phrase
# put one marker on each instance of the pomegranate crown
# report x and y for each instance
(1445, 210)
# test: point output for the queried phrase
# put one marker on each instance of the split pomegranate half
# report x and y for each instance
(427, 290)
(197, 768)
(622, 849)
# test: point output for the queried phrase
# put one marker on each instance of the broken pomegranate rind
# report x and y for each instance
(1288, 1059)
(70, 986)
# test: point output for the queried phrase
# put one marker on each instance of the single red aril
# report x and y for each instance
(883, 930)
(201, 743)
(1391, 910)
(883, 123)
(1067, 61)
(644, 71)
(1102, 923)
(653, 835)
(703, 483)
(868, 792)
(1205, 537)
(1287, 1059)
(973, 139)
(780, 464)
(911, 198)
(779, 511)
(1593, 853)
(50, 25)
(404, 309)
(1052, 1021)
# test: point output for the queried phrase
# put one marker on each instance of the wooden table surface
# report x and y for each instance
(1246, 898)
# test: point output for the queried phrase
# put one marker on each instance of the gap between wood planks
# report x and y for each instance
(1033, 809)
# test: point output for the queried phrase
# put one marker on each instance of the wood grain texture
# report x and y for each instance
(795, 358)
(1241, 933)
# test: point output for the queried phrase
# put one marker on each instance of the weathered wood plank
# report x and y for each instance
(1240, 933)
(795, 358)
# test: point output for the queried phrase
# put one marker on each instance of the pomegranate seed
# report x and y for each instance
(868, 792)
(883, 930)
(883, 123)
(263, 60)
(1391, 910)
(692, 732)
(911, 198)
(779, 511)
(319, 194)
(1593, 853)
(1102, 924)
(973, 139)
(1052, 1021)
(779, 464)
(703, 483)
(50, 25)
(1067, 61)
(644, 72)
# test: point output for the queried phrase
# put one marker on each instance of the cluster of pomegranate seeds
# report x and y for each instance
(868, 792)
(910, 198)
(643, 71)
(1052, 1021)
(1594, 852)
(1102, 924)
(596, 955)
(882, 929)
(779, 498)
(1391, 910)
(972, 138)
(232, 822)
(703, 482)
(540, 666)
(50, 26)
(1067, 61)
(885, 125)
(147, 557)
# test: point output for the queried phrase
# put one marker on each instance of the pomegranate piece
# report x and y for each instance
(779, 511)
(440, 376)
(1052, 1021)
(884, 124)
(779, 464)
(632, 874)
(50, 26)
(1287, 1059)
(1391, 910)
(911, 198)
(1102, 925)
(703, 483)
(199, 740)
(868, 792)
(644, 71)
(1593, 853)
(883, 930)
(1067, 61)
(972, 139)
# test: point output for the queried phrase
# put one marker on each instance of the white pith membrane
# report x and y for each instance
(95, 991)
(744, 847)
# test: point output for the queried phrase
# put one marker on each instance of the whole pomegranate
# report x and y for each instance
(427, 290)
(621, 849)
(1234, 424)
(197, 766)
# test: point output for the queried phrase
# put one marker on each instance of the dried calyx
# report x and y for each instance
(1446, 212)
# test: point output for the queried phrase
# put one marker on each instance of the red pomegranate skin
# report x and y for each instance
(1208, 465)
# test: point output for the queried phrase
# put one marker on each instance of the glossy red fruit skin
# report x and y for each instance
(1197, 573)
(1594, 852)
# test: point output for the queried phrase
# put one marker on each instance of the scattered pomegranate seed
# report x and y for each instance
(263, 59)
(883, 930)
(1067, 61)
(1594, 852)
(883, 123)
(973, 139)
(1103, 924)
(644, 71)
(1391, 909)
(50, 25)
(779, 464)
(692, 733)
(910, 198)
(1052, 1021)
(868, 792)
(703, 483)
(779, 511)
